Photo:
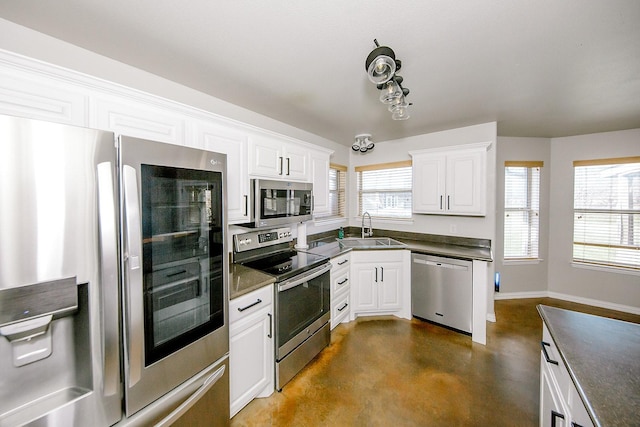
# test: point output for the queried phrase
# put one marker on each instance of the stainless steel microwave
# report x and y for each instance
(275, 203)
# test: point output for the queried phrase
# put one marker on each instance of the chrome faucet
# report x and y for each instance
(369, 232)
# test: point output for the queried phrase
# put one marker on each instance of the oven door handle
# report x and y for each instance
(304, 277)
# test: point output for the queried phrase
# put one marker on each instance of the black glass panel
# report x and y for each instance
(182, 257)
(284, 203)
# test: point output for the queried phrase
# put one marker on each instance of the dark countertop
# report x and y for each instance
(603, 359)
(243, 280)
(449, 250)
(330, 247)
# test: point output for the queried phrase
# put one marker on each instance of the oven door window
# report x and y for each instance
(284, 203)
(182, 257)
(300, 306)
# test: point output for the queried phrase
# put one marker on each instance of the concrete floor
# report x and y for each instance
(395, 372)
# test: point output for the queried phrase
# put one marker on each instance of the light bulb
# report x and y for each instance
(390, 92)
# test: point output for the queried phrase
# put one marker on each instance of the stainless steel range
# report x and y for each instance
(302, 301)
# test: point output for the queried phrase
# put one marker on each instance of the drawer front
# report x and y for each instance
(245, 305)
(559, 370)
(339, 282)
(340, 308)
(341, 261)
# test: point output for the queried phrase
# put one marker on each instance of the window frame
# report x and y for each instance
(340, 192)
(533, 226)
(607, 264)
(383, 167)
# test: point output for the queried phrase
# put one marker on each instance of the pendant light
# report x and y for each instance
(382, 68)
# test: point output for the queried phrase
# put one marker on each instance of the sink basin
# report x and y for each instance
(370, 243)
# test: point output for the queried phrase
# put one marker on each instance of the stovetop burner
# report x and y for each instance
(286, 264)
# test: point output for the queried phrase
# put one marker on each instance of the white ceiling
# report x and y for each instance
(544, 68)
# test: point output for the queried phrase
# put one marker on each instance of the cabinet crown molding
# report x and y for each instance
(475, 146)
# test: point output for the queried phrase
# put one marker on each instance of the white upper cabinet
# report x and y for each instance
(35, 97)
(271, 157)
(140, 120)
(320, 160)
(234, 144)
(451, 180)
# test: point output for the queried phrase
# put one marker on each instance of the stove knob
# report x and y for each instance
(288, 234)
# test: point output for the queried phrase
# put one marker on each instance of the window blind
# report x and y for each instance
(606, 223)
(384, 190)
(337, 190)
(522, 209)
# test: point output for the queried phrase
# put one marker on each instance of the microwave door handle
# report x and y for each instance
(109, 278)
(318, 271)
(133, 273)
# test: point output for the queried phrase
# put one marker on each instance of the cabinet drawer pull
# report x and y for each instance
(575, 424)
(441, 202)
(554, 416)
(270, 335)
(343, 281)
(448, 202)
(343, 307)
(288, 166)
(546, 355)
(246, 205)
(376, 274)
(250, 305)
(281, 166)
(343, 262)
(382, 274)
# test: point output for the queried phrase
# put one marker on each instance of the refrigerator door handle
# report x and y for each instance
(109, 278)
(193, 399)
(133, 273)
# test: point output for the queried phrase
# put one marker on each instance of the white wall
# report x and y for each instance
(584, 285)
(523, 277)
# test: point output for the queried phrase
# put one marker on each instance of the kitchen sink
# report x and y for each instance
(370, 243)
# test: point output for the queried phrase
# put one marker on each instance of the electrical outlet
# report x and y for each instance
(453, 229)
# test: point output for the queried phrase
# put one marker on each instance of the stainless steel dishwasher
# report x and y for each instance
(441, 290)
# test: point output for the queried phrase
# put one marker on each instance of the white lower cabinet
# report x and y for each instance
(340, 287)
(380, 283)
(560, 403)
(251, 348)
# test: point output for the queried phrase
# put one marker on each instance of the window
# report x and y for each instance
(385, 190)
(337, 191)
(606, 212)
(521, 209)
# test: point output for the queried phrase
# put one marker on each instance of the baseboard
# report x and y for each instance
(520, 295)
(595, 303)
(567, 297)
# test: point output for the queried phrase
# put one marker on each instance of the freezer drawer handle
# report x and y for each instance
(193, 399)
(250, 305)
(546, 355)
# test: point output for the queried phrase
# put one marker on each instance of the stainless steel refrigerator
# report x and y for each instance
(113, 279)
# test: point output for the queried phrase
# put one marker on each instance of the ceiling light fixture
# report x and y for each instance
(363, 143)
(382, 67)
